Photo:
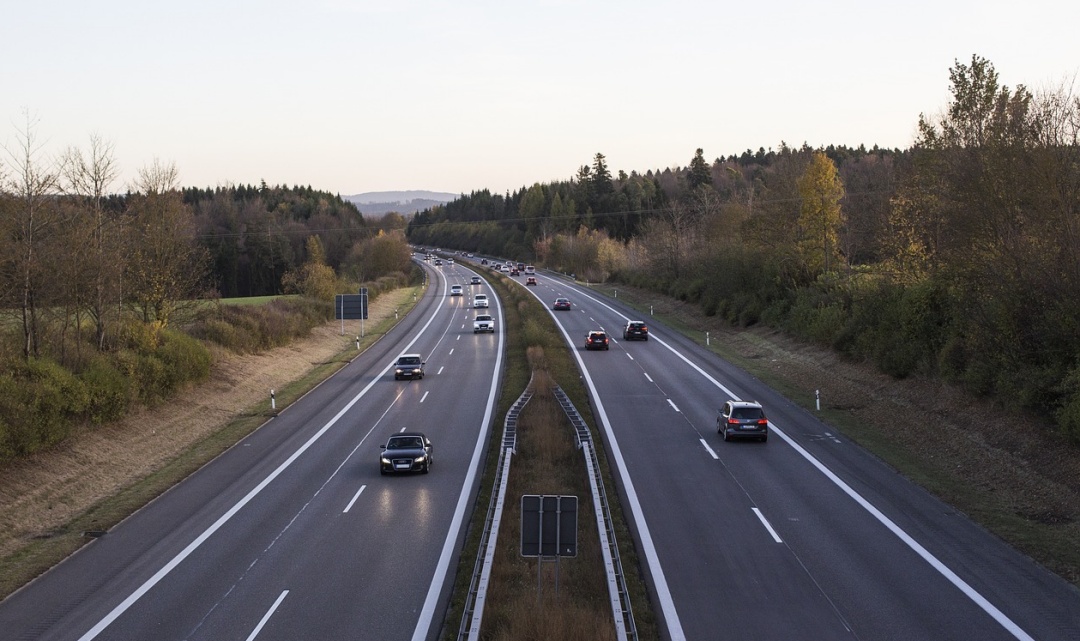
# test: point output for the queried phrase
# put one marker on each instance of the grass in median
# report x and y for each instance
(547, 463)
(40, 554)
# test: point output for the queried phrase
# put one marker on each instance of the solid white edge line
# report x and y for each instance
(949, 575)
(266, 617)
(663, 593)
(224, 518)
(427, 613)
(356, 496)
(768, 526)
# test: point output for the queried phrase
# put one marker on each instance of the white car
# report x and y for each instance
(483, 323)
(480, 300)
(455, 290)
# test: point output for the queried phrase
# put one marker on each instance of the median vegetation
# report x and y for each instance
(547, 462)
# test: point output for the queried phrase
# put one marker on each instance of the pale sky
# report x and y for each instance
(352, 96)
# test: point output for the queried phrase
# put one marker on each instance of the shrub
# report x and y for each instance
(39, 401)
(108, 390)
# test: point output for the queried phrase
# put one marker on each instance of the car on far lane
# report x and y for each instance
(406, 452)
(561, 304)
(475, 280)
(531, 280)
(743, 419)
(596, 339)
(455, 290)
(636, 330)
(480, 300)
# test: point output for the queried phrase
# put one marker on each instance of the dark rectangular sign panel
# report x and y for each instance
(548, 525)
(351, 306)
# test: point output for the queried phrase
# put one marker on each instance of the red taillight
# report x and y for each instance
(763, 421)
(733, 421)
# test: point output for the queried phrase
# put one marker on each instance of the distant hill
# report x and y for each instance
(377, 203)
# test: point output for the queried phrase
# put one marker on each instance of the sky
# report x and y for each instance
(352, 96)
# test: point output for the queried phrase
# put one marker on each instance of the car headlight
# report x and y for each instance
(421, 458)
(384, 460)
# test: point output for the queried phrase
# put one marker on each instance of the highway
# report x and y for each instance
(293, 533)
(806, 536)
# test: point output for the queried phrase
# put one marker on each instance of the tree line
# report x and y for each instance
(955, 258)
(103, 293)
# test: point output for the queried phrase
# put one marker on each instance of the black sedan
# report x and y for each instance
(406, 452)
(561, 303)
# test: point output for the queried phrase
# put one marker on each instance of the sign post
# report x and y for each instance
(351, 306)
(548, 531)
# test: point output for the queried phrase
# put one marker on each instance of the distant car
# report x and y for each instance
(480, 300)
(406, 452)
(409, 366)
(475, 280)
(497, 267)
(596, 340)
(529, 269)
(561, 303)
(483, 261)
(531, 280)
(438, 262)
(514, 271)
(636, 330)
(743, 419)
(455, 290)
(483, 323)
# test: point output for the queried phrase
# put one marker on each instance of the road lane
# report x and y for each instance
(884, 561)
(210, 558)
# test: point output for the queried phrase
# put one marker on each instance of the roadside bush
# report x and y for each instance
(108, 391)
(185, 360)
(39, 401)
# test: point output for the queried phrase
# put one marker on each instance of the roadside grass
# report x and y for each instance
(547, 462)
(1048, 538)
(255, 300)
(45, 551)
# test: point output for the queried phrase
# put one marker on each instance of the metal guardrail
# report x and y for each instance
(474, 601)
(625, 627)
(622, 611)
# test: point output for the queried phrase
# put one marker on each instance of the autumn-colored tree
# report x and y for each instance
(820, 216)
(315, 279)
(386, 253)
(166, 268)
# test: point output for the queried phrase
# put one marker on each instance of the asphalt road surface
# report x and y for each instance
(293, 533)
(806, 536)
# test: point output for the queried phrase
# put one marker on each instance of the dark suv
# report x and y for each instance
(635, 330)
(596, 340)
(743, 419)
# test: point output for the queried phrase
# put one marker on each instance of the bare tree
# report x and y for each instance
(33, 186)
(89, 178)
